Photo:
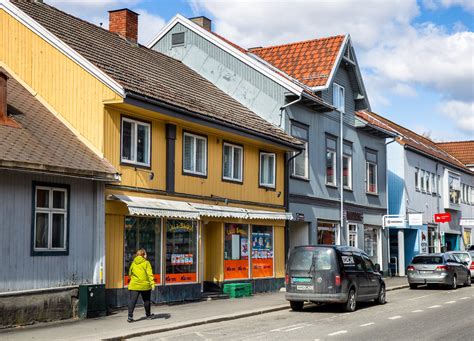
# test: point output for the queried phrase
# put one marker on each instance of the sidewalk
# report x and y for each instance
(167, 318)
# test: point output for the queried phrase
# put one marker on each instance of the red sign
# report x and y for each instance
(442, 217)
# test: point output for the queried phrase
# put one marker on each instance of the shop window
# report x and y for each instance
(300, 167)
(135, 142)
(236, 251)
(454, 182)
(50, 223)
(267, 169)
(232, 162)
(142, 233)
(331, 145)
(371, 242)
(262, 251)
(181, 251)
(371, 172)
(347, 166)
(338, 97)
(352, 235)
(326, 233)
(432, 239)
(194, 154)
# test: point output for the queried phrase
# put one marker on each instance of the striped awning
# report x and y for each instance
(151, 207)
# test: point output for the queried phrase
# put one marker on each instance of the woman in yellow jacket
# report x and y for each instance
(141, 283)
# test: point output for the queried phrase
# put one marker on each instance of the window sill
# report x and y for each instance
(196, 175)
(348, 189)
(332, 186)
(301, 178)
(375, 194)
(50, 253)
(232, 181)
(267, 188)
(135, 165)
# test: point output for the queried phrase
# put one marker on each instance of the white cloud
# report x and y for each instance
(467, 5)
(462, 113)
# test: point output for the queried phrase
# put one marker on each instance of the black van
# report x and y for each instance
(332, 274)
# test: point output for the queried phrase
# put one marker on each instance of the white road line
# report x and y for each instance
(395, 317)
(289, 330)
(367, 324)
(417, 298)
(417, 311)
(450, 302)
(338, 333)
(465, 298)
(434, 306)
(282, 328)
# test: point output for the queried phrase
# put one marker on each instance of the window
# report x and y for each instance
(232, 162)
(368, 264)
(352, 235)
(338, 97)
(463, 192)
(417, 180)
(371, 171)
(262, 251)
(267, 169)
(347, 166)
(301, 162)
(454, 188)
(422, 180)
(177, 39)
(135, 142)
(50, 218)
(326, 233)
(433, 183)
(331, 146)
(371, 242)
(194, 154)
(427, 182)
(236, 251)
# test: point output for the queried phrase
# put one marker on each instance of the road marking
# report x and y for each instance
(450, 302)
(417, 298)
(417, 311)
(289, 330)
(292, 327)
(367, 324)
(434, 306)
(338, 333)
(465, 298)
(395, 317)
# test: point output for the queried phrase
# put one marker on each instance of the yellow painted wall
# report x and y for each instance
(114, 234)
(71, 91)
(213, 237)
(279, 253)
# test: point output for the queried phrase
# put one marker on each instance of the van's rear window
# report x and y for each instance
(428, 260)
(303, 259)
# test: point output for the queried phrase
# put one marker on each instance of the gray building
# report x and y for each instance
(425, 180)
(305, 96)
(52, 212)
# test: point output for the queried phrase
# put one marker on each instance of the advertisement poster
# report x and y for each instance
(244, 247)
(180, 278)
(236, 269)
(181, 259)
(261, 245)
(262, 267)
(423, 237)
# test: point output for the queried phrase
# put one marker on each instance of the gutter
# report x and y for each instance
(283, 107)
(153, 102)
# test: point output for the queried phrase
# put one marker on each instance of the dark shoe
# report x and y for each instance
(130, 319)
(150, 317)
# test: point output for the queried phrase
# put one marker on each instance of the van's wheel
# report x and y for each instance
(296, 305)
(468, 280)
(351, 303)
(382, 298)
(413, 286)
(454, 283)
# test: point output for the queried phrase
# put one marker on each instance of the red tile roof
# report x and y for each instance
(411, 139)
(462, 150)
(310, 62)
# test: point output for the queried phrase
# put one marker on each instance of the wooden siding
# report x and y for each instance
(20, 270)
(279, 251)
(114, 247)
(76, 95)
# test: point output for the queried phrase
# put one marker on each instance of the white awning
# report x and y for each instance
(140, 206)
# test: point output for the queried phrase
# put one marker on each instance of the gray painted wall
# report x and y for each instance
(20, 270)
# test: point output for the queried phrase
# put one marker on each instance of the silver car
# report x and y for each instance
(438, 268)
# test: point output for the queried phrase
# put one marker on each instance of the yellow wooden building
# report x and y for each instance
(200, 178)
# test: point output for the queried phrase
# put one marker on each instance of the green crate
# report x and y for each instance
(236, 290)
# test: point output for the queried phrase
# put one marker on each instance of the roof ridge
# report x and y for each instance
(298, 42)
(452, 142)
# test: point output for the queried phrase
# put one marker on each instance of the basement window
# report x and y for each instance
(177, 39)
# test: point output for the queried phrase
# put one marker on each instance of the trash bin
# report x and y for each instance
(92, 300)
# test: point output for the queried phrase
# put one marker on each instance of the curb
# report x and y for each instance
(199, 322)
(398, 287)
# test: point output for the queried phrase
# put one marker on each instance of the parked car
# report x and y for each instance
(466, 258)
(438, 268)
(332, 274)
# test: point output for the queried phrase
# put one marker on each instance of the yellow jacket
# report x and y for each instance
(141, 275)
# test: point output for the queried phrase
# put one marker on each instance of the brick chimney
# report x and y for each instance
(4, 119)
(125, 23)
(203, 21)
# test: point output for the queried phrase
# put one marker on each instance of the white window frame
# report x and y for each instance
(305, 152)
(428, 182)
(261, 184)
(135, 124)
(334, 162)
(233, 148)
(193, 157)
(433, 184)
(339, 97)
(350, 171)
(355, 232)
(50, 211)
(422, 178)
(417, 178)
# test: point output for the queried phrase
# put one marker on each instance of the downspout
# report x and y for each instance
(341, 173)
(438, 227)
(387, 232)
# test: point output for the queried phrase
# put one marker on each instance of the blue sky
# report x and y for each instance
(417, 57)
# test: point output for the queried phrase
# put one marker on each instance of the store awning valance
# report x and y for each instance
(151, 207)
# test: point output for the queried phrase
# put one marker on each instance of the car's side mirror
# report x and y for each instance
(377, 267)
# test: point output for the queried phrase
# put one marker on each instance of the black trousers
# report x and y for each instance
(132, 301)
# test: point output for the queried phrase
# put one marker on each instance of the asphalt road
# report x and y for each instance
(422, 314)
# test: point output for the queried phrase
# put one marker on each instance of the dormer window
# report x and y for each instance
(338, 97)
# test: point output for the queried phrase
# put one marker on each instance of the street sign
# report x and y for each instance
(442, 217)
(466, 222)
(415, 219)
(393, 221)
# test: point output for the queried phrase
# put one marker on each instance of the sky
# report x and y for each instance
(416, 56)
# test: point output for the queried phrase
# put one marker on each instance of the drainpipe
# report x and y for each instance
(386, 198)
(341, 173)
(438, 227)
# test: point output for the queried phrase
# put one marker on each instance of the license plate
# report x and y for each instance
(301, 279)
(426, 271)
(304, 287)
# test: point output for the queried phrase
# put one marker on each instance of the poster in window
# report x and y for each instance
(262, 251)
(236, 263)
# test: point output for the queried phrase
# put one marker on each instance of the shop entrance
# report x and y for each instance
(451, 242)
(299, 233)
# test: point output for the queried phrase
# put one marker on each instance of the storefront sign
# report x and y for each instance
(467, 222)
(415, 219)
(394, 221)
(354, 216)
(236, 269)
(442, 217)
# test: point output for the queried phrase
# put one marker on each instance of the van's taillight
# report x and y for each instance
(338, 280)
(411, 268)
(441, 268)
(472, 265)
(287, 279)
